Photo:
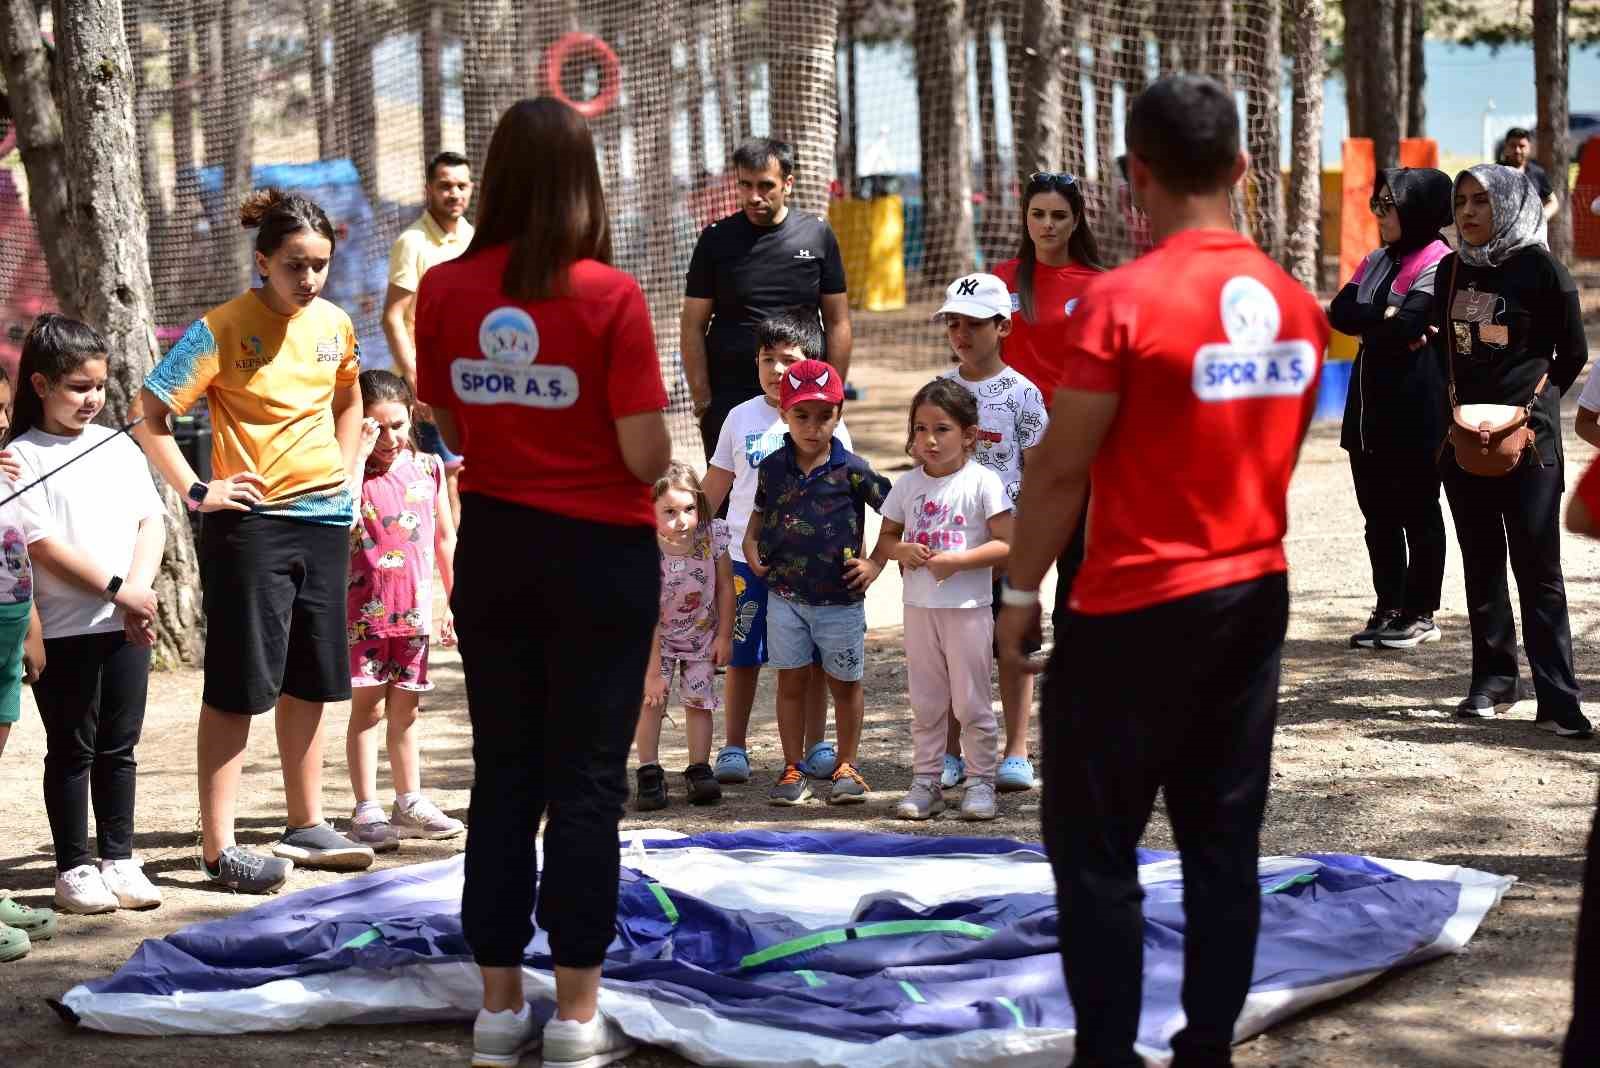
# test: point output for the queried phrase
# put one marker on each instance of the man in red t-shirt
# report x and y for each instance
(1188, 379)
(1583, 1033)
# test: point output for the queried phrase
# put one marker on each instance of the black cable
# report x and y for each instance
(127, 428)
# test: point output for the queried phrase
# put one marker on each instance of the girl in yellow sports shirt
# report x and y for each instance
(277, 366)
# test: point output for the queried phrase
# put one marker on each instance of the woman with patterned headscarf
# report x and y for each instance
(1511, 333)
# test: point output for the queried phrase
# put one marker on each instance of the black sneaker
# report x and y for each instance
(1483, 706)
(1573, 725)
(246, 872)
(320, 846)
(1408, 632)
(1367, 637)
(702, 785)
(791, 787)
(652, 794)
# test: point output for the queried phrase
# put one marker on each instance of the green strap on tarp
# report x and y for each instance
(813, 980)
(887, 928)
(1011, 1007)
(913, 993)
(1292, 881)
(665, 902)
(365, 938)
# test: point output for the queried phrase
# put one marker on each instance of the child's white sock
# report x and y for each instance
(405, 801)
(367, 810)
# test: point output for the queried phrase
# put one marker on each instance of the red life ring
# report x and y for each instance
(593, 50)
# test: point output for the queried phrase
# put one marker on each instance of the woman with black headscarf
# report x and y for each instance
(1395, 415)
(1511, 334)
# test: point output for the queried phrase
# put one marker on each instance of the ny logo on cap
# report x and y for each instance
(966, 287)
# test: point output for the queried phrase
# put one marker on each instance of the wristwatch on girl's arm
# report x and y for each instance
(196, 496)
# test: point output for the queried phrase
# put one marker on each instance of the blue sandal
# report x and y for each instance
(821, 761)
(733, 765)
(953, 773)
(1015, 774)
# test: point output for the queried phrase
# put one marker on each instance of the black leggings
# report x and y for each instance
(91, 698)
(1399, 498)
(554, 650)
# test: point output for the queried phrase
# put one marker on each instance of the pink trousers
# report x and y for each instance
(949, 654)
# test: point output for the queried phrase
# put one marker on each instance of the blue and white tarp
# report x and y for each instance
(796, 949)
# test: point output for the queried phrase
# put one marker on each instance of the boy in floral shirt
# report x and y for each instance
(804, 539)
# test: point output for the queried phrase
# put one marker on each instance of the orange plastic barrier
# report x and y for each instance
(1585, 224)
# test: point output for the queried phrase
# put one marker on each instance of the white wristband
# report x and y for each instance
(1010, 595)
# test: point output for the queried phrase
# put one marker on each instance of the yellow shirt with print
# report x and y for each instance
(270, 381)
(420, 247)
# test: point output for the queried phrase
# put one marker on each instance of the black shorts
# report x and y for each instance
(1029, 645)
(274, 592)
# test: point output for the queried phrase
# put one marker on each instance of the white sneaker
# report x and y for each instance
(82, 890)
(595, 1042)
(127, 881)
(979, 802)
(501, 1038)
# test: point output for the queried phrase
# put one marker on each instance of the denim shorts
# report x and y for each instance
(839, 631)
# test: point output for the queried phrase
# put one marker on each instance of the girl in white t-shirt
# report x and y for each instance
(948, 523)
(95, 531)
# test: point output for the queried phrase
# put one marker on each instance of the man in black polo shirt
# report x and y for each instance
(1517, 152)
(763, 260)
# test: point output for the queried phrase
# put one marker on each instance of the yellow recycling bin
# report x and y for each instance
(872, 236)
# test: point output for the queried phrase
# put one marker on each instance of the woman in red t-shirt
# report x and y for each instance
(1057, 259)
(538, 360)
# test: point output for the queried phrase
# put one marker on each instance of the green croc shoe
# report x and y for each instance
(14, 944)
(40, 924)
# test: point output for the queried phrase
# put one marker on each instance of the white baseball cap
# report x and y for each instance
(979, 296)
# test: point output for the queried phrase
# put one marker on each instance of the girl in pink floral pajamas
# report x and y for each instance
(693, 638)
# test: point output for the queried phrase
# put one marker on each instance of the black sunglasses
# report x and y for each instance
(1381, 205)
(1053, 177)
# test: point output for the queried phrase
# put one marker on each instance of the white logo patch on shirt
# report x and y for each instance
(1072, 306)
(509, 373)
(1253, 362)
(804, 254)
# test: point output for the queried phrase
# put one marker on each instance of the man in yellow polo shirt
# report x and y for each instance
(441, 234)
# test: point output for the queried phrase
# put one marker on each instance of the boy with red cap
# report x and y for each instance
(805, 539)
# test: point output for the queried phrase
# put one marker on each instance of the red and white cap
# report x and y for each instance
(810, 380)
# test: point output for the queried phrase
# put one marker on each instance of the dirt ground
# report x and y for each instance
(1369, 760)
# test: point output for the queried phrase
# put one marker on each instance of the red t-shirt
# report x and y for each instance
(536, 387)
(1034, 348)
(1588, 489)
(1215, 353)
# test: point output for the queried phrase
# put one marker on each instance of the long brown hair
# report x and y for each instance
(541, 194)
(1082, 248)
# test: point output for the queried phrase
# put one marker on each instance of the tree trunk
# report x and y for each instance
(1416, 103)
(235, 86)
(1264, 95)
(850, 143)
(1040, 104)
(1383, 88)
(37, 121)
(1355, 70)
(646, 67)
(695, 106)
(940, 41)
(728, 89)
(1073, 156)
(430, 28)
(180, 70)
(355, 89)
(316, 38)
(1550, 83)
(1102, 200)
(113, 267)
(801, 64)
(488, 79)
(982, 30)
(1305, 161)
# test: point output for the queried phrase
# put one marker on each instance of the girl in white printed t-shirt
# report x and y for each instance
(949, 523)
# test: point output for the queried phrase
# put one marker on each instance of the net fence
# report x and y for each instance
(915, 124)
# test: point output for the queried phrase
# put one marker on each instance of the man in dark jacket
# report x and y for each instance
(1397, 410)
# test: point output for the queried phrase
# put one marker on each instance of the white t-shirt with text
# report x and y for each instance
(96, 506)
(949, 514)
(1012, 417)
(752, 431)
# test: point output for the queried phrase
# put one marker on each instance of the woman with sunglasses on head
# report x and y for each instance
(1395, 414)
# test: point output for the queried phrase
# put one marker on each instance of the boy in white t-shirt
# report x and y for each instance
(752, 431)
(1012, 417)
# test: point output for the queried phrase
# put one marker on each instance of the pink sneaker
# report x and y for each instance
(422, 819)
(371, 829)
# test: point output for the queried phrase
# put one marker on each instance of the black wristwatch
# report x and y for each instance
(112, 587)
(197, 494)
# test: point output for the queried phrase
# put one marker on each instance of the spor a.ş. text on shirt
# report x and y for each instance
(753, 431)
(813, 522)
(750, 272)
(1033, 348)
(1214, 353)
(536, 387)
(269, 381)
